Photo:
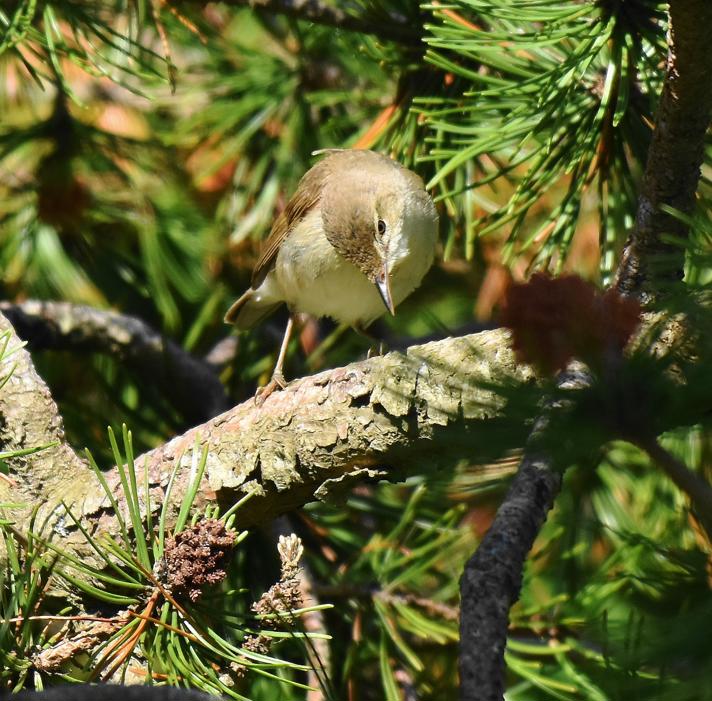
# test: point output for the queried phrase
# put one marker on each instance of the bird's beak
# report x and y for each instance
(383, 284)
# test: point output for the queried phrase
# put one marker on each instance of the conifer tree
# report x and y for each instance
(522, 505)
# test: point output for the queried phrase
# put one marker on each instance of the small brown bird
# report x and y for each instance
(354, 241)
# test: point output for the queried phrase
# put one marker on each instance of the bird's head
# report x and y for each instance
(363, 218)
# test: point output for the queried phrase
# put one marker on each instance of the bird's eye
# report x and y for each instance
(381, 227)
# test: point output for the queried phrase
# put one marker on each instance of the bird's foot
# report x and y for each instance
(378, 347)
(276, 383)
(374, 351)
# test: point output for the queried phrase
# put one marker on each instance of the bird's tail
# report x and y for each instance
(250, 309)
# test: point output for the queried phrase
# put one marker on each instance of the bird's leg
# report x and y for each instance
(278, 375)
(277, 380)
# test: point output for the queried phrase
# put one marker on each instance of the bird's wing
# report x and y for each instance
(303, 201)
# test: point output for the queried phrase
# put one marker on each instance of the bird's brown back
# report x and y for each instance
(308, 195)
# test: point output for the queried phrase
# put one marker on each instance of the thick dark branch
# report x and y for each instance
(676, 152)
(492, 579)
(112, 692)
(393, 28)
(188, 383)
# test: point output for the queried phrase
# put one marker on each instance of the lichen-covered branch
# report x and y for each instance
(188, 383)
(324, 433)
(29, 419)
(675, 155)
(318, 437)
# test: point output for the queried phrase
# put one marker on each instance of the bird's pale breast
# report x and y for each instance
(313, 278)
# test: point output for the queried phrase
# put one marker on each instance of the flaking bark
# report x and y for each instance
(314, 440)
(29, 419)
(325, 433)
(650, 263)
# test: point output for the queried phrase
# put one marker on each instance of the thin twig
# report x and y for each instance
(696, 488)
(318, 649)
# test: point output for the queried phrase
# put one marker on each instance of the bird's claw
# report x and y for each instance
(374, 351)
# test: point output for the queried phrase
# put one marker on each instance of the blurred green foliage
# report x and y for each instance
(145, 148)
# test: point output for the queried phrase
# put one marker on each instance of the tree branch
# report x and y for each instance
(29, 419)
(676, 152)
(492, 578)
(324, 433)
(395, 28)
(188, 383)
(318, 437)
(696, 488)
